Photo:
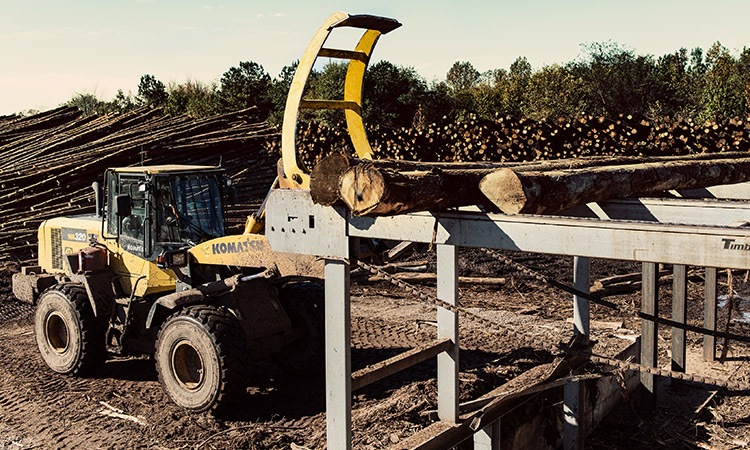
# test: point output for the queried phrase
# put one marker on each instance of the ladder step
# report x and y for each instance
(343, 54)
(331, 104)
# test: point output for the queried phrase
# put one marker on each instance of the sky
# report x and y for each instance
(51, 50)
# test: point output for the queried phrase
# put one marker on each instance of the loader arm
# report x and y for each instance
(296, 175)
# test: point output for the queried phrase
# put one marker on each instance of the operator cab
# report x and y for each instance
(153, 209)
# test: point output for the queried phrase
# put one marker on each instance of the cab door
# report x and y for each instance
(129, 237)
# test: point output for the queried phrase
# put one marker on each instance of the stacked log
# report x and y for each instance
(48, 161)
(510, 138)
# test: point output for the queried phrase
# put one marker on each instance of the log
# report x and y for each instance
(326, 176)
(413, 277)
(516, 192)
(369, 190)
(386, 187)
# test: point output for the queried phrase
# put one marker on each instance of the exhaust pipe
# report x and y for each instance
(98, 196)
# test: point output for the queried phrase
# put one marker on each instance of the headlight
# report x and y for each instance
(176, 259)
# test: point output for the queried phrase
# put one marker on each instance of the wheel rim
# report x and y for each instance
(187, 365)
(56, 332)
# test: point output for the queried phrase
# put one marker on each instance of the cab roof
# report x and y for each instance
(165, 168)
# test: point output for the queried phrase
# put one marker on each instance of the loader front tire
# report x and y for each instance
(68, 336)
(201, 358)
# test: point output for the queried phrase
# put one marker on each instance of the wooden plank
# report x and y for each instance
(378, 371)
(413, 277)
(399, 250)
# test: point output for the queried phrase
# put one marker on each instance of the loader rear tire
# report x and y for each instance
(67, 333)
(304, 304)
(201, 358)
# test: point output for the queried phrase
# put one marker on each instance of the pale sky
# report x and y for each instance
(52, 49)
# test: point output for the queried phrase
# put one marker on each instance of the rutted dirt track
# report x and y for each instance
(123, 406)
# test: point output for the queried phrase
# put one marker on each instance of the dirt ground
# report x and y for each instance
(122, 405)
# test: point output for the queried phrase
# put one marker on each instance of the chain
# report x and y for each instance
(543, 278)
(537, 342)
(531, 341)
(635, 367)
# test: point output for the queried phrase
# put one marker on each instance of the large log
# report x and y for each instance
(387, 187)
(516, 192)
(370, 190)
(325, 178)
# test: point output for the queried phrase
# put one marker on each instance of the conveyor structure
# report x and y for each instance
(677, 231)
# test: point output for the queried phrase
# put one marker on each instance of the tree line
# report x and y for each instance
(607, 80)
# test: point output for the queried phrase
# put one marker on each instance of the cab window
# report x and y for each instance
(131, 229)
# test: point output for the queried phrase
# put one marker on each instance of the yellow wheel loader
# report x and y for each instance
(153, 271)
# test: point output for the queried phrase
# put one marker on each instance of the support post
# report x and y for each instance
(648, 337)
(573, 412)
(338, 355)
(581, 305)
(679, 311)
(709, 314)
(447, 324)
(488, 438)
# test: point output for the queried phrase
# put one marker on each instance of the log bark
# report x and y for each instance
(517, 192)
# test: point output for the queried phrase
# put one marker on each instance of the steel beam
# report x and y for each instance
(632, 241)
(574, 432)
(447, 323)
(488, 438)
(649, 336)
(665, 210)
(581, 305)
(679, 315)
(709, 314)
(338, 355)
(573, 400)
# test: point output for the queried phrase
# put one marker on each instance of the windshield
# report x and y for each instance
(188, 208)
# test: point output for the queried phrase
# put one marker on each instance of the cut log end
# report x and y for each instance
(362, 189)
(505, 189)
(326, 176)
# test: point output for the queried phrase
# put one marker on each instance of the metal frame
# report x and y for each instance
(671, 231)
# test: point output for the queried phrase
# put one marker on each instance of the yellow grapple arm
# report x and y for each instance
(296, 175)
(292, 172)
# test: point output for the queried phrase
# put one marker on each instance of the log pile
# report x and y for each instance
(523, 166)
(510, 138)
(48, 161)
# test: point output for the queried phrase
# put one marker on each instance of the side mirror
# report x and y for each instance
(123, 205)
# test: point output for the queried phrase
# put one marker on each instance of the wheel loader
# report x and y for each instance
(153, 271)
